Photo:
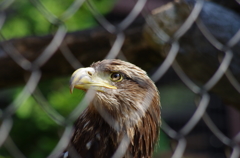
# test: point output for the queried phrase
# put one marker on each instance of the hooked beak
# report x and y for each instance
(86, 78)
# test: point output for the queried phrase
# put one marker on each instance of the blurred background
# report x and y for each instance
(35, 134)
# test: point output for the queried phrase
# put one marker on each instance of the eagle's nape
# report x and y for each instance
(126, 103)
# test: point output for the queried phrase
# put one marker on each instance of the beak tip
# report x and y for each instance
(71, 89)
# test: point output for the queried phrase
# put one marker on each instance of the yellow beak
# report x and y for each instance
(86, 78)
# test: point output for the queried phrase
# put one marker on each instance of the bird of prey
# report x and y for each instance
(126, 106)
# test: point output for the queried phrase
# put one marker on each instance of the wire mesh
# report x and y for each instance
(34, 68)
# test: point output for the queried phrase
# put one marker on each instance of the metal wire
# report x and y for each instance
(31, 87)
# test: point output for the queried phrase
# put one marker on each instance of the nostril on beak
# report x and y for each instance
(90, 73)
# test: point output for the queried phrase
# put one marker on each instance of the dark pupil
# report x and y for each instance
(115, 76)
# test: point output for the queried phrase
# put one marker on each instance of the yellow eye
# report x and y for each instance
(116, 77)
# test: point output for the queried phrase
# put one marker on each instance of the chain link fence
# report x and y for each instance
(162, 38)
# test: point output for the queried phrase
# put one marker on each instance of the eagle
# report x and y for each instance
(125, 108)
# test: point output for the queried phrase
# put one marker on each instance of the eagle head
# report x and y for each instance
(126, 102)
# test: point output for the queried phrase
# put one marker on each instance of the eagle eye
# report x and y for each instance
(116, 77)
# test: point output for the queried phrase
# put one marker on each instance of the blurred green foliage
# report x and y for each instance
(34, 132)
(23, 19)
